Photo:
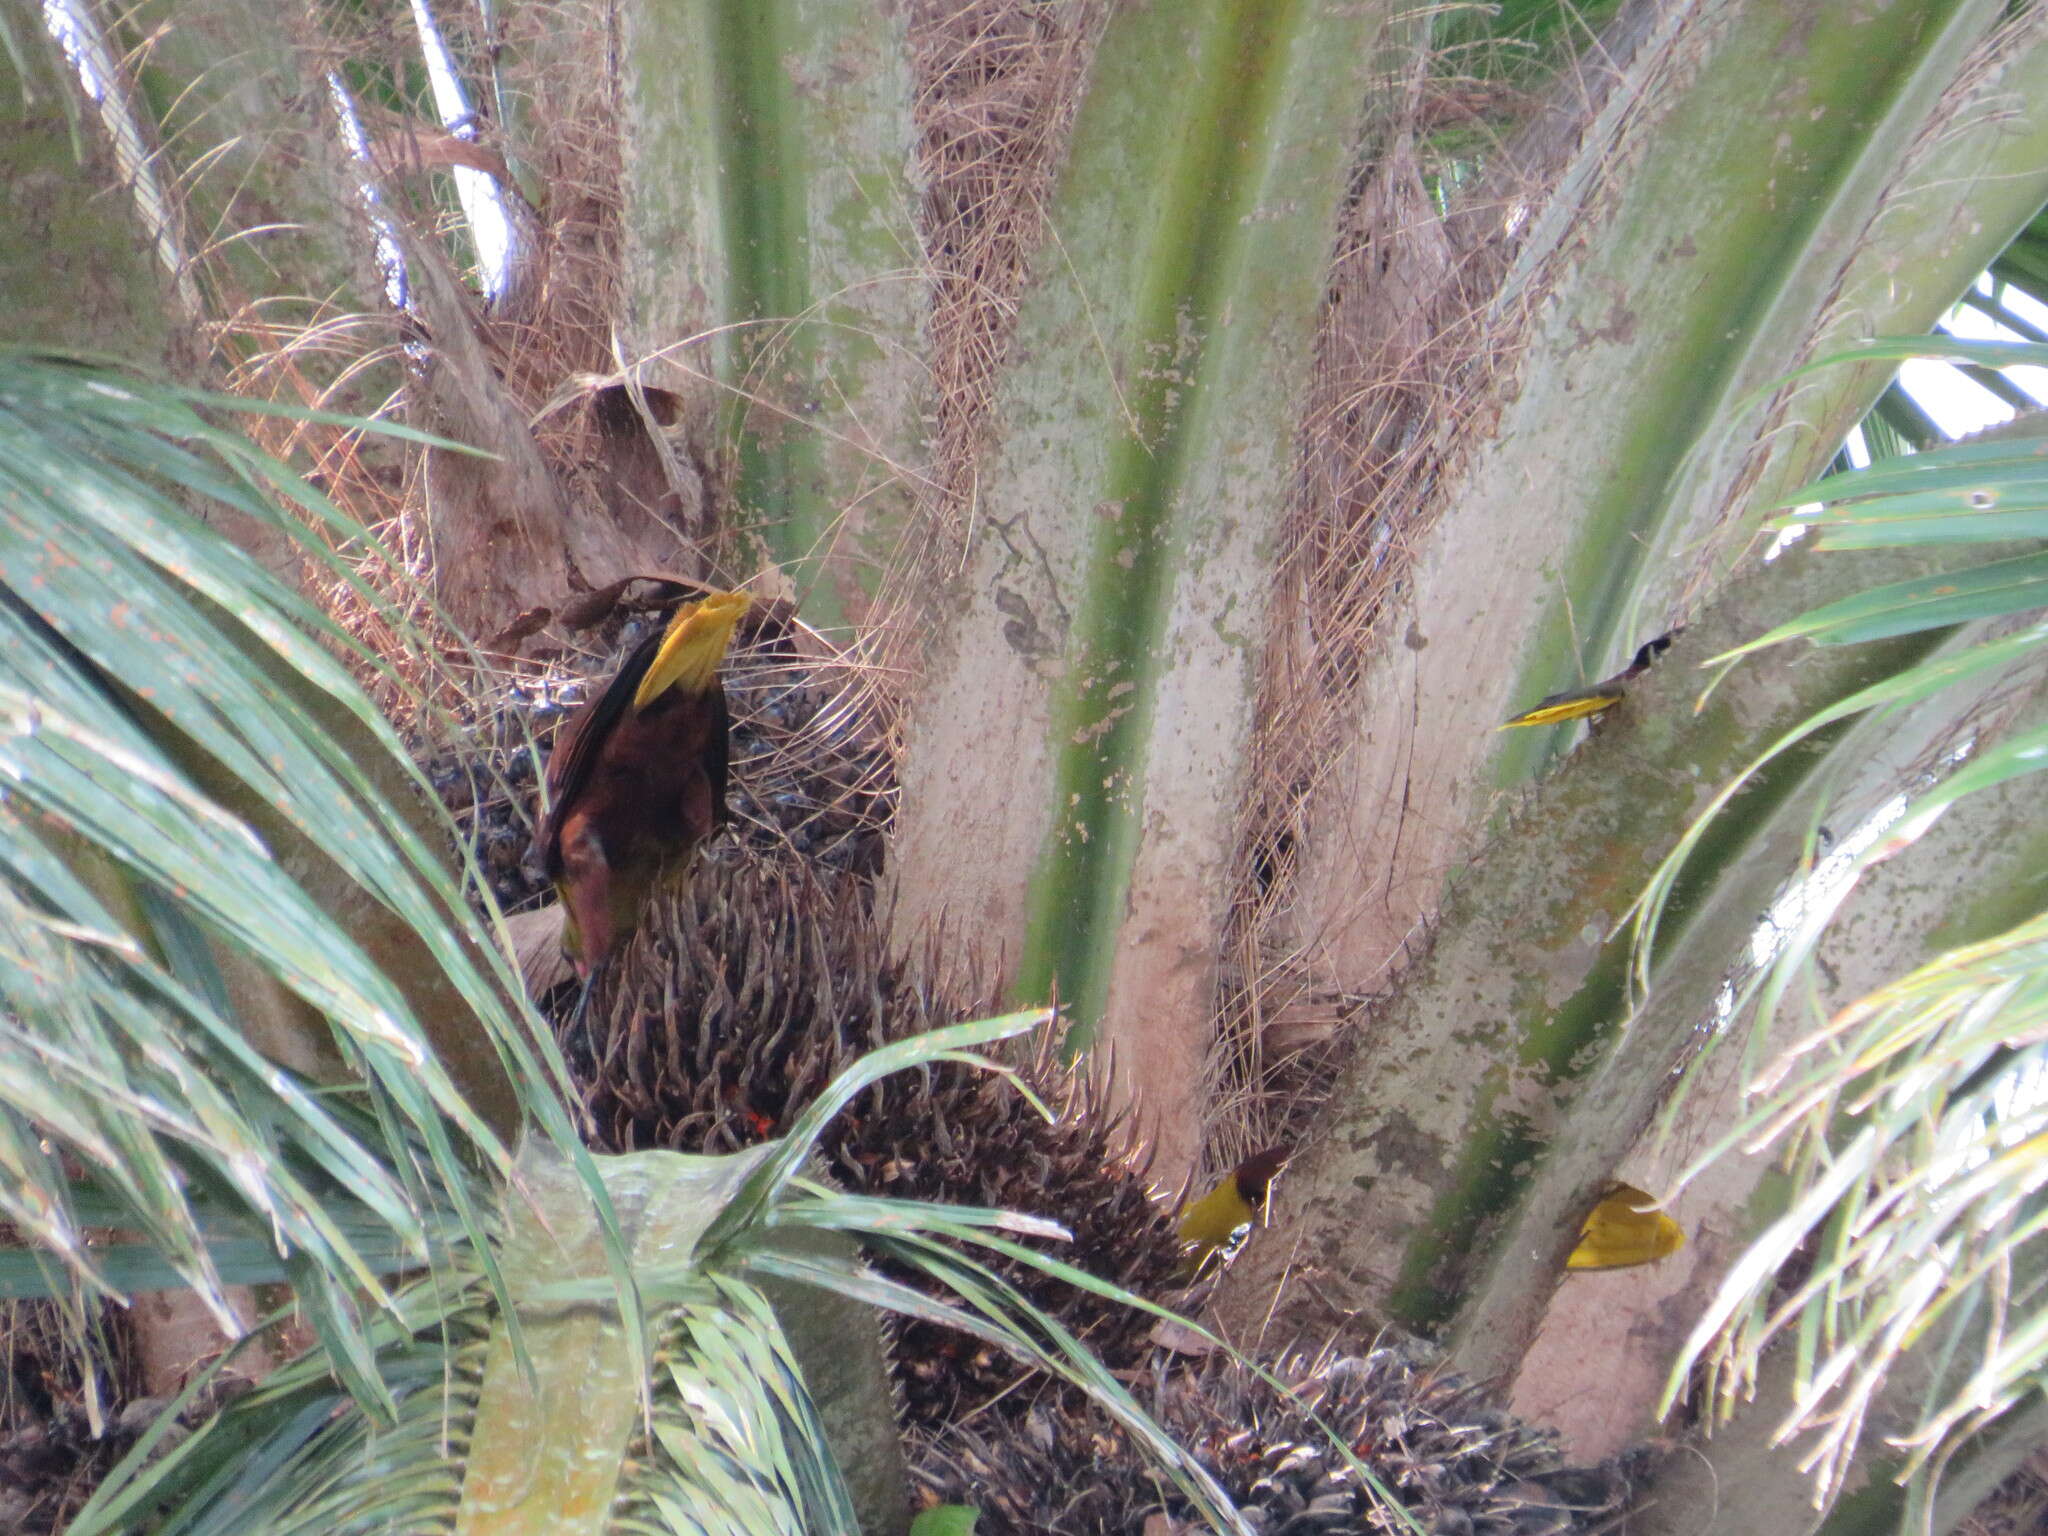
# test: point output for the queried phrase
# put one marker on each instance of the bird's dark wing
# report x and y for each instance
(574, 760)
(718, 754)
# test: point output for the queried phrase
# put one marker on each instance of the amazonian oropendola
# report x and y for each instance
(637, 779)
(1598, 698)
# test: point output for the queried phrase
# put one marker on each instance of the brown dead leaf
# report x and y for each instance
(537, 949)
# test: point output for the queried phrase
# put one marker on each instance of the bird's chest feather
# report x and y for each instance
(650, 790)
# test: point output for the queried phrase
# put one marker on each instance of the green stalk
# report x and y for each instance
(771, 207)
(1763, 182)
(765, 279)
(1107, 631)
(1193, 270)
(1687, 314)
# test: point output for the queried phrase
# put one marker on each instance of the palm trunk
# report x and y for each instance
(1665, 283)
(772, 248)
(1082, 733)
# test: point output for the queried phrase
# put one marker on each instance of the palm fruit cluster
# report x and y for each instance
(1457, 1465)
(811, 773)
(51, 1457)
(756, 981)
(762, 974)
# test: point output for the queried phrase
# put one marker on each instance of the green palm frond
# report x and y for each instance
(162, 697)
(510, 1334)
(1915, 1129)
(1914, 1121)
(299, 1454)
(749, 1457)
(723, 1436)
(1978, 492)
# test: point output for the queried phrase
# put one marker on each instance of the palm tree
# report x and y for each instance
(1222, 417)
(510, 1333)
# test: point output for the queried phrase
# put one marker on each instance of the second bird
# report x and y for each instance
(1594, 701)
(1208, 1225)
(637, 779)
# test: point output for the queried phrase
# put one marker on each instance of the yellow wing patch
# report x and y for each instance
(693, 647)
(1625, 1229)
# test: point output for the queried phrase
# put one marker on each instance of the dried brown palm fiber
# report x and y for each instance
(1460, 1465)
(998, 83)
(756, 980)
(52, 1455)
(2016, 1507)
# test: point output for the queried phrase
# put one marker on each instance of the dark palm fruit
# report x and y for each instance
(1459, 1465)
(53, 1453)
(764, 973)
(754, 983)
(2016, 1507)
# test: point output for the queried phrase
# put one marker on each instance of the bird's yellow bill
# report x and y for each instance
(693, 647)
(1622, 1231)
(1575, 705)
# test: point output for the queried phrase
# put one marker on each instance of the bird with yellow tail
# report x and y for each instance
(1207, 1226)
(1625, 1228)
(637, 780)
(1595, 700)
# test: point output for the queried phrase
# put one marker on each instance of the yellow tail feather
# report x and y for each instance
(1567, 706)
(1620, 1233)
(693, 647)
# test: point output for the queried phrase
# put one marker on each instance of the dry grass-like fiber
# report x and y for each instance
(1435, 278)
(997, 87)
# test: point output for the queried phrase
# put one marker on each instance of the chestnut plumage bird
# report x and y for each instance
(638, 778)
(1598, 698)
